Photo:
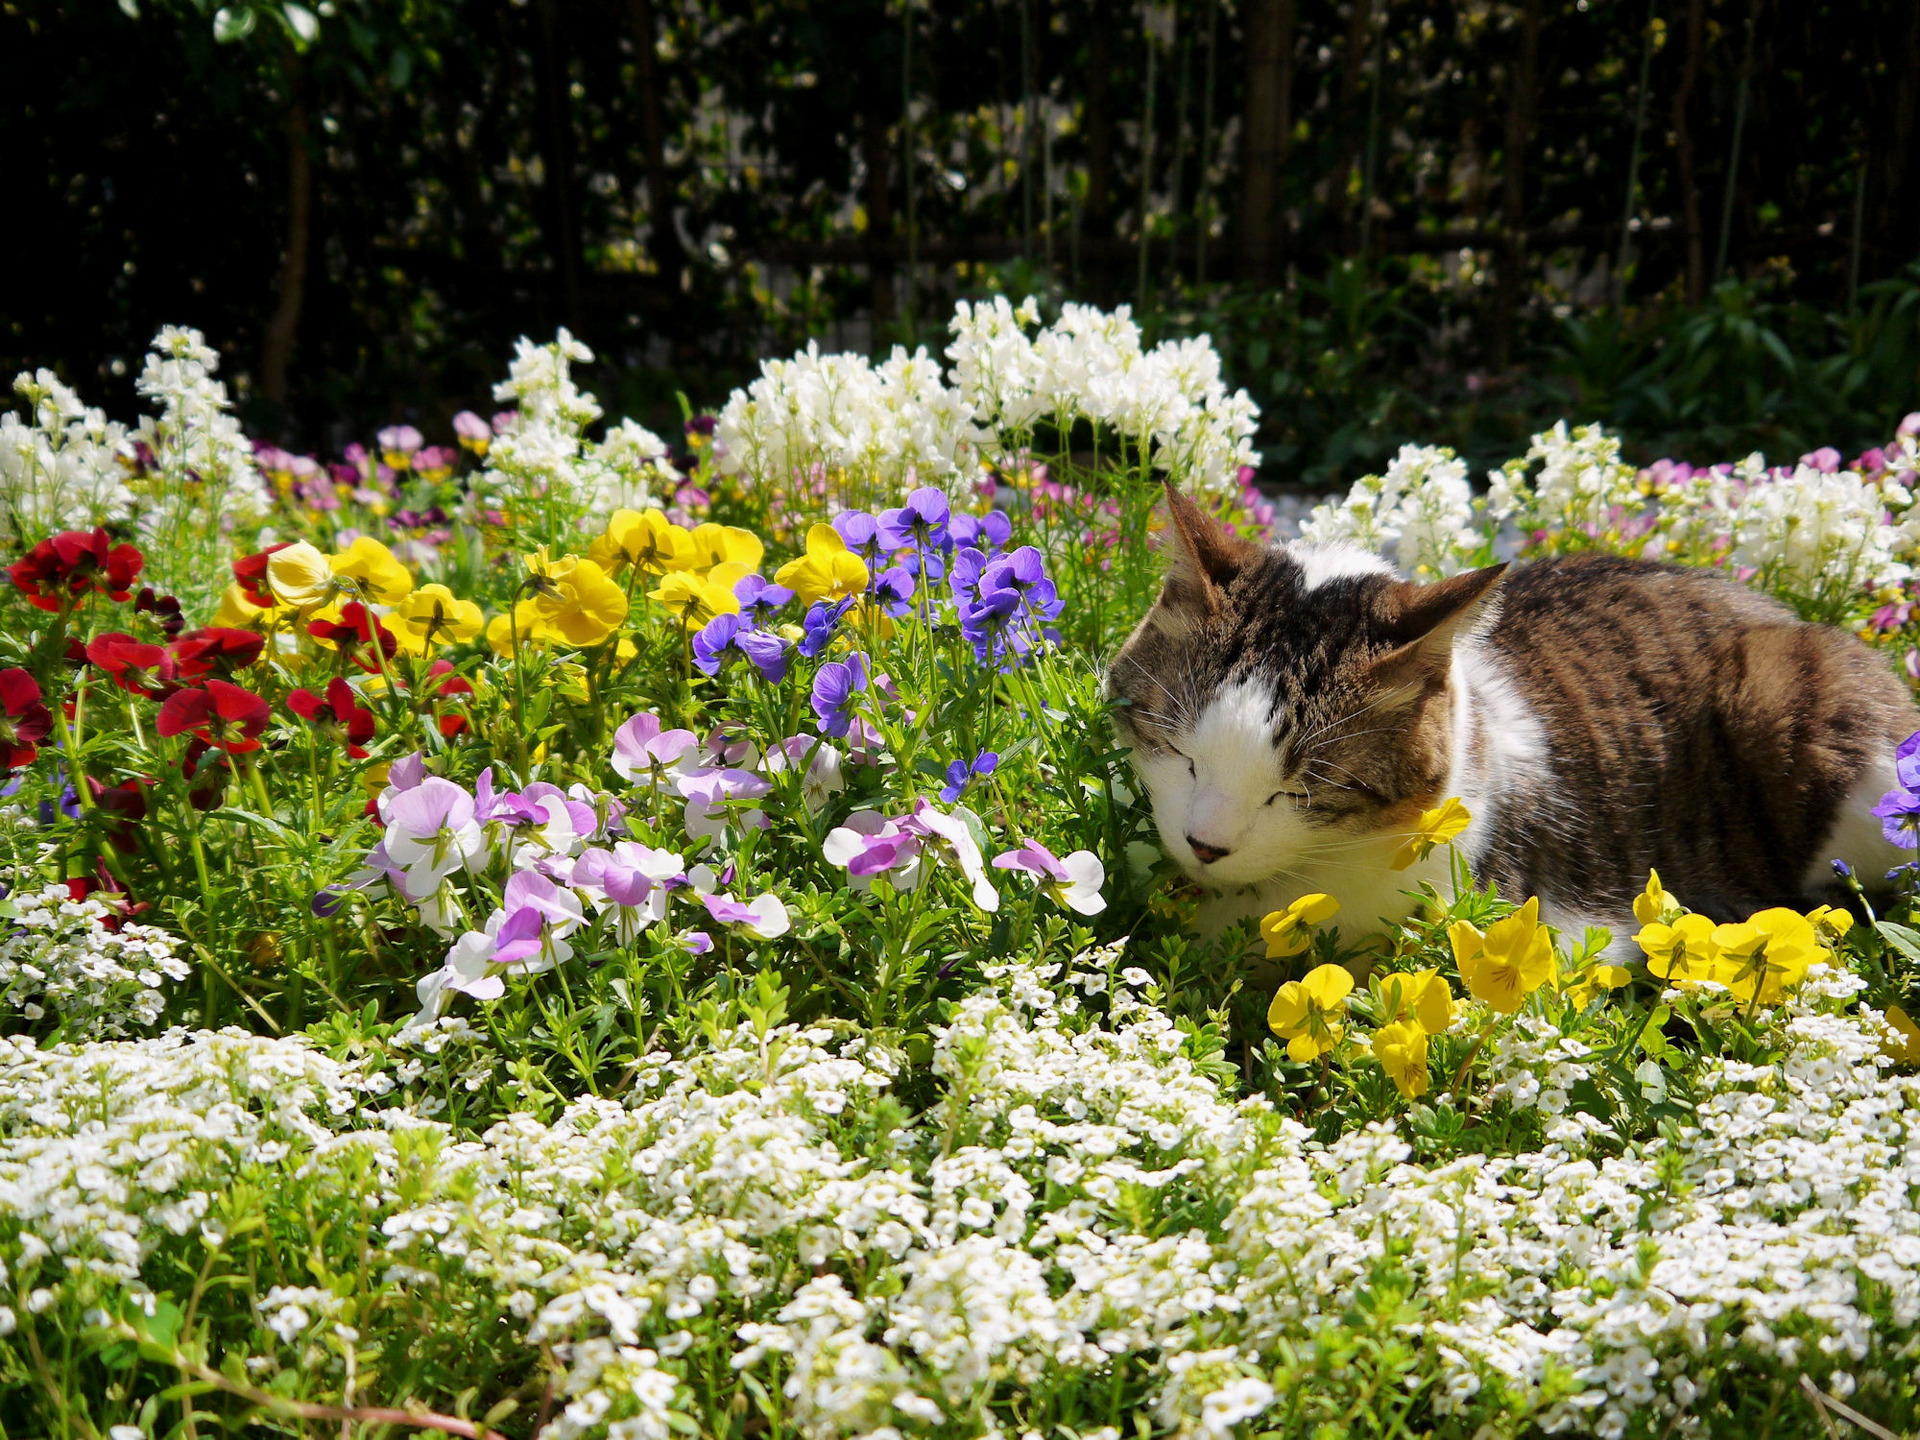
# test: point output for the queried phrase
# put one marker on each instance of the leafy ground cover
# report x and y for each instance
(557, 933)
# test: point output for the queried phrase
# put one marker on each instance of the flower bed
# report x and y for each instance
(560, 933)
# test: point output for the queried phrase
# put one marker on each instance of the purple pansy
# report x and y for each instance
(834, 688)
(960, 773)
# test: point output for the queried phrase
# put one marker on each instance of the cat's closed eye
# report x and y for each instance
(1299, 797)
(1183, 755)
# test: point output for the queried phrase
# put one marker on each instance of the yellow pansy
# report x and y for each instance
(1766, 955)
(368, 569)
(1654, 905)
(1286, 931)
(576, 603)
(1424, 995)
(726, 545)
(1401, 1049)
(694, 599)
(1593, 980)
(1683, 953)
(1309, 1014)
(828, 571)
(1830, 922)
(1507, 962)
(500, 630)
(643, 540)
(433, 615)
(1438, 826)
(300, 576)
(238, 612)
(1904, 1044)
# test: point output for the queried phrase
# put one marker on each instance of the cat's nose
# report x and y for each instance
(1207, 853)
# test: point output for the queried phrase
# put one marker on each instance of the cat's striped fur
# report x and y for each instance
(1292, 710)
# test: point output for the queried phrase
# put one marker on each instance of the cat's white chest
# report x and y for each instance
(1371, 893)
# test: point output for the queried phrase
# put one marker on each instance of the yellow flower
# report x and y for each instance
(643, 540)
(576, 603)
(368, 569)
(1593, 980)
(726, 545)
(1654, 905)
(238, 612)
(1308, 1014)
(1439, 826)
(1424, 995)
(300, 576)
(1401, 1049)
(1285, 931)
(1683, 952)
(1511, 960)
(500, 630)
(432, 616)
(694, 599)
(1905, 1048)
(1830, 923)
(828, 571)
(1768, 954)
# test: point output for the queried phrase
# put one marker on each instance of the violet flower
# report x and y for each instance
(640, 745)
(1074, 881)
(835, 687)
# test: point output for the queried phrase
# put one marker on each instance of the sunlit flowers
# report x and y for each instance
(695, 599)
(828, 571)
(1401, 1049)
(1310, 1014)
(643, 540)
(1767, 954)
(1289, 931)
(298, 576)
(338, 714)
(431, 616)
(1441, 825)
(1073, 880)
(573, 602)
(24, 721)
(369, 571)
(1422, 996)
(61, 571)
(220, 714)
(1508, 961)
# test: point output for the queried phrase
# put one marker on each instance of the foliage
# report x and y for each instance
(664, 941)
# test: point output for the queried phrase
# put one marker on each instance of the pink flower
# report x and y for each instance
(1075, 881)
(640, 745)
(871, 844)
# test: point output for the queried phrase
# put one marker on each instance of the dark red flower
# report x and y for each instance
(24, 721)
(124, 806)
(207, 772)
(164, 609)
(450, 686)
(134, 665)
(251, 572)
(355, 627)
(221, 714)
(339, 715)
(215, 650)
(59, 572)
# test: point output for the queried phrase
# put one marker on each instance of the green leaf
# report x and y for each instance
(230, 24)
(1906, 941)
(302, 21)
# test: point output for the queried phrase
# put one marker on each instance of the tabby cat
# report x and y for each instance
(1293, 709)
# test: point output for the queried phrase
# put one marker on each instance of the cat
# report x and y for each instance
(1293, 709)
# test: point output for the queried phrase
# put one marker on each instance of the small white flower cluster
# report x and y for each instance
(57, 955)
(62, 468)
(541, 451)
(889, 427)
(1582, 488)
(1420, 513)
(1169, 403)
(1817, 534)
(1084, 1205)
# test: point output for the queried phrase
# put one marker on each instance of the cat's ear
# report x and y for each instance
(1203, 559)
(1427, 621)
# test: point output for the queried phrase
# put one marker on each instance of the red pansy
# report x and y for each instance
(251, 572)
(62, 570)
(24, 721)
(164, 609)
(221, 714)
(134, 665)
(355, 627)
(450, 686)
(339, 715)
(215, 650)
(124, 805)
